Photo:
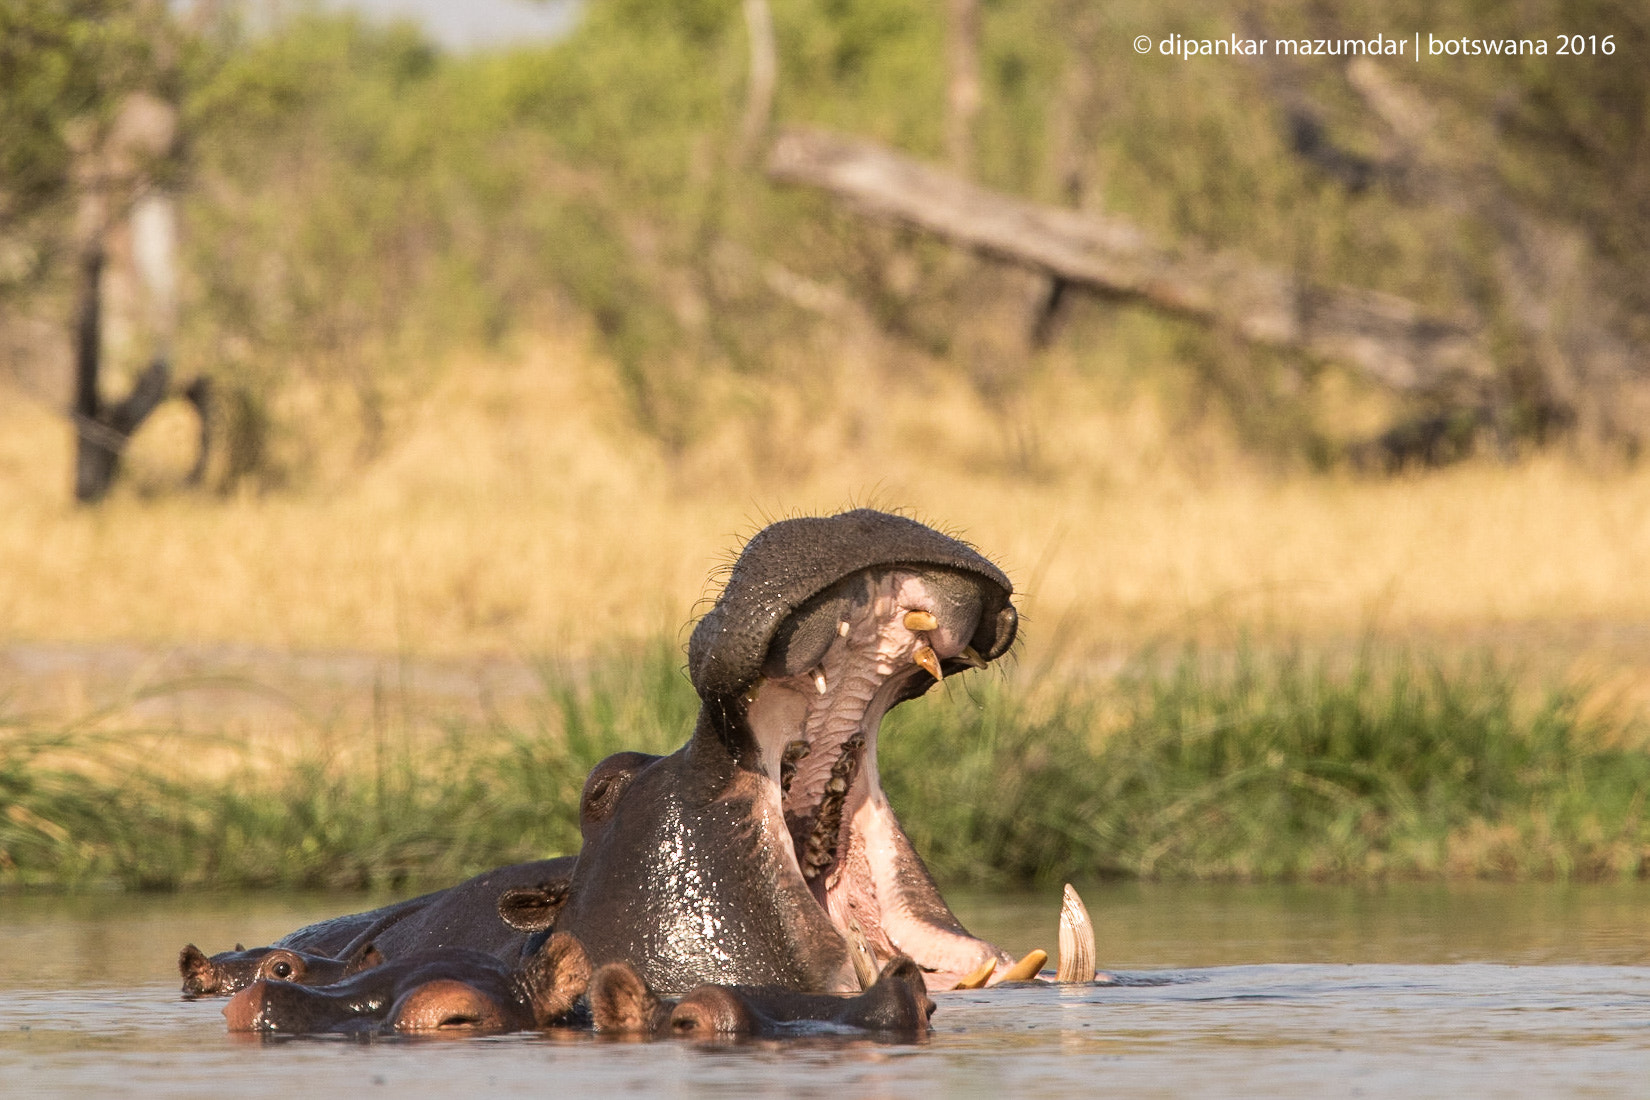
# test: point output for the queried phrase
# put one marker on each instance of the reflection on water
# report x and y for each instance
(1291, 991)
(1155, 925)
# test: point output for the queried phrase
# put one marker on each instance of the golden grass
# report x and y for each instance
(517, 511)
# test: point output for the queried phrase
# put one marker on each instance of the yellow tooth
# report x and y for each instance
(1076, 940)
(1026, 968)
(925, 656)
(920, 620)
(971, 657)
(977, 979)
(819, 680)
(865, 963)
(842, 628)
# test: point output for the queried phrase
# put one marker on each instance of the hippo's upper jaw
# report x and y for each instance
(778, 600)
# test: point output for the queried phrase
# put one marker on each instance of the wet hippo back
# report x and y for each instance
(462, 916)
(465, 915)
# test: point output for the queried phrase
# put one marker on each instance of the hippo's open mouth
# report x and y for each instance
(833, 670)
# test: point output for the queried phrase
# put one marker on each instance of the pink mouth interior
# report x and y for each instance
(820, 751)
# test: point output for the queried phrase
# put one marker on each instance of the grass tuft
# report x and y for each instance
(1272, 769)
(1246, 767)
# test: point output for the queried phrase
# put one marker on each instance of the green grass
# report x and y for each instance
(1270, 770)
(1243, 768)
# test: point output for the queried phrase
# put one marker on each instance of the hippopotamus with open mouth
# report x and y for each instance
(764, 852)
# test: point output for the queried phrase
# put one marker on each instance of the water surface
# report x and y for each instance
(1282, 991)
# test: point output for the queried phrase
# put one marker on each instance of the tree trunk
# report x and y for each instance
(116, 181)
(962, 94)
(102, 431)
(759, 87)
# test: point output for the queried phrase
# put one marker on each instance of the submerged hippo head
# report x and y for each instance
(897, 1005)
(447, 990)
(764, 851)
(229, 971)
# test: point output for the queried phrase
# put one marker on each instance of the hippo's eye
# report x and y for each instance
(284, 968)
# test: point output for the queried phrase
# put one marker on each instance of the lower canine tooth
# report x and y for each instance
(977, 979)
(865, 963)
(1026, 968)
(925, 656)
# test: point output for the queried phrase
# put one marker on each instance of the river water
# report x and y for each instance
(1478, 990)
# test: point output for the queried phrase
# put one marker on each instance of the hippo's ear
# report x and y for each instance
(903, 969)
(362, 958)
(555, 978)
(898, 1001)
(199, 975)
(533, 908)
(621, 1003)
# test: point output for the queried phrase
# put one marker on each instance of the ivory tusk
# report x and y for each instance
(1076, 939)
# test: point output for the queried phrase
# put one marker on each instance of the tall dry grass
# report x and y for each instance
(519, 512)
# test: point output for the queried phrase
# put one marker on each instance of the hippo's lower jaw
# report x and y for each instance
(837, 666)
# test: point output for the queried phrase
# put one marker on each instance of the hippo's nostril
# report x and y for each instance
(447, 1004)
(460, 1021)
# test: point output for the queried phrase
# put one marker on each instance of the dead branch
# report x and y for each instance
(1391, 340)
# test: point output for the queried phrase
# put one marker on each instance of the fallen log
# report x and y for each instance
(1390, 339)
